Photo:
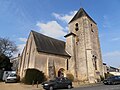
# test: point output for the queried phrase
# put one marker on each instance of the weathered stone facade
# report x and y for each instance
(49, 63)
(15, 62)
(81, 55)
(84, 48)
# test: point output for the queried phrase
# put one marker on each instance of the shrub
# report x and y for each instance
(32, 76)
(18, 78)
(108, 75)
(101, 78)
(70, 76)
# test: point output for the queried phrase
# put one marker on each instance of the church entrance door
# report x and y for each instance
(61, 72)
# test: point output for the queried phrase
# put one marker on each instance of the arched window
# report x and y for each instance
(67, 64)
(76, 27)
(76, 24)
(92, 28)
(95, 64)
(95, 61)
(91, 25)
(77, 40)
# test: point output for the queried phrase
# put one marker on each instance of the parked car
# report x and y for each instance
(112, 80)
(7, 73)
(57, 83)
(11, 78)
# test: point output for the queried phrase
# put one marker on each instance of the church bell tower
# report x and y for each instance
(82, 43)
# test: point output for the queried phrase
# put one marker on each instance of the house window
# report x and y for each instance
(76, 27)
(67, 64)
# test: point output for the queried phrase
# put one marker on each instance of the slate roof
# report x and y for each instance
(104, 63)
(70, 34)
(81, 13)
(49, 45)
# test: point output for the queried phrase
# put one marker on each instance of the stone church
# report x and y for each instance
(79, 56)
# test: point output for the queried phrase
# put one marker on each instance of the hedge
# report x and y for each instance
(33, 76)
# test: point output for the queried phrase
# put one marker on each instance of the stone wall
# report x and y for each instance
(28, 56)
(32, 59)
(44, 61)
(84, 49)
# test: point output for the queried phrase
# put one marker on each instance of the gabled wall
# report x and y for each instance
(42, 61)
(28, 56)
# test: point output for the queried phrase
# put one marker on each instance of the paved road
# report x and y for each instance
(98, 87)
(18, 86)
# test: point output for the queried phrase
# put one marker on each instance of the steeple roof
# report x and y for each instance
(81, 13)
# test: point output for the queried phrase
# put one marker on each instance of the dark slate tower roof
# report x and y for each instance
(49, 45)
(79, 14)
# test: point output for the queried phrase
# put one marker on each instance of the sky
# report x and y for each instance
(51, 17)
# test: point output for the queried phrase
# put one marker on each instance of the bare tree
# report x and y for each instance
(7, 47)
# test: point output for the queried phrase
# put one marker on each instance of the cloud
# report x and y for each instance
(20, 49)
(101, 35)
(112, 54)
(112, 57)
(116, 39)
(23, 39)
(106, 22)
(20, 46)
(52, 29)
(65, 17)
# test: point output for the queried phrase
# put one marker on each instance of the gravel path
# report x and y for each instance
(18, 86)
